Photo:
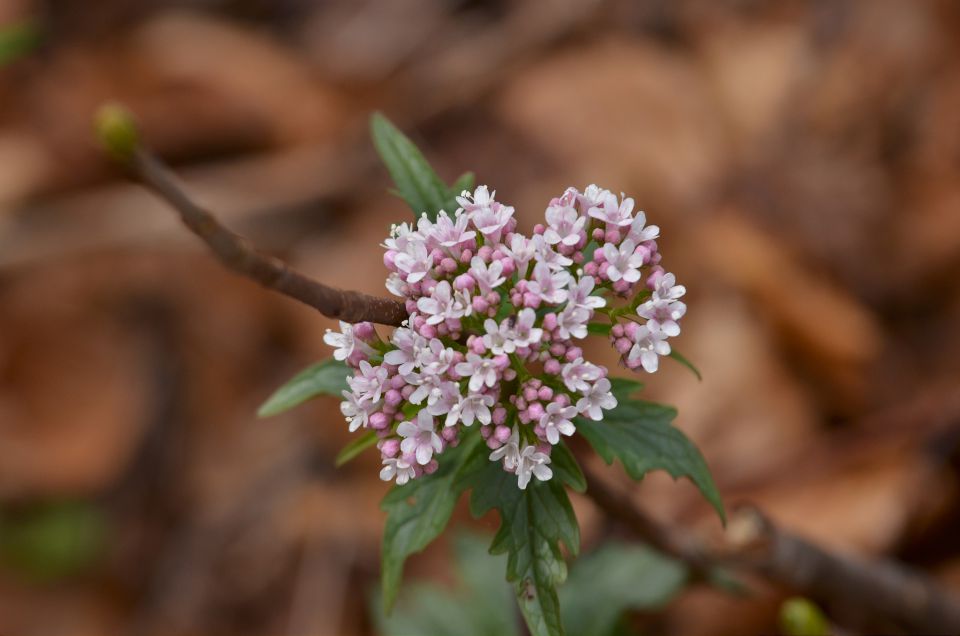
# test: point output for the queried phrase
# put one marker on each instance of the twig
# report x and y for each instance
(884, 591)
(238, 254)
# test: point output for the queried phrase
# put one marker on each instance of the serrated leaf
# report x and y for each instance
(615, 578)
(566, 469)
(416, 181)
(418, 511)
(641, 436)
(355, 447)
(324, 378)
(682, 360)
(480, 606)
(534, 524)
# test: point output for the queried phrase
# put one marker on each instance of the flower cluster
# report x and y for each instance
(495, 318)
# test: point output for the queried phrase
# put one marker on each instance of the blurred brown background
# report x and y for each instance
(801, 158)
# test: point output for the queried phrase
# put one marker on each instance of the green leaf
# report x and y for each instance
(682, 360)
(416, 181)
(418, 511)
(534, 524)
(18, 40)
(623, 388)
(599, 328)
(566, 468)
(355, 447)
(641, 436)
(478, 607)
(615, 578)
(324, 378)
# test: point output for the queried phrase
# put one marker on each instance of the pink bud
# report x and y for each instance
(529, 394)
(431, 467)
(499, 415)
(612, 236)
(464, 281)
(390, 447)
(573, 353)
(531, 300)
(448, 264)
(480, 304)
(364, 330)
(539, 228)
(393, 397)
(550, 321)
(590, 269)
(502, 434)
(617, 330)
(466, 256)
(598, 234)
(558, 349)
(428, 331)
(535, 411)
(484, 253)
(545, 393)
(379, 420)
(449, 433)
(623, 346)
(552, 366)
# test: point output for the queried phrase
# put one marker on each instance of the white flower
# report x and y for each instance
(498, 337)
(447, 232)
(543, 253)
(446, 401)
(413, 262)
(400, 237)
(557, 421)
(509, 452)
(345, 342)
(481, 371)
(470, 408)
(489, 276)
(649, 346)
(596, 400)
(397, 467)
(420, 439)
(622, 263)
(522, 250)
(408, 344)
(523, 333)
(487, 215)
(369, 384)
(435, 358)
(592, 196)
(564, 225)
(572, 322)
(395, 284)
(356, 413)
(578, 375)
(532, 462)
(609, 211)
(580, 294)
(480, 198)
(443, 303)
(640, 234)
(430, 386)
(549, 285)
(663, 310)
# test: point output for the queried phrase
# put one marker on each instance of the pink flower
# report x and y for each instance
(578, 375)
(649, 345)
(481, 371)
(557, 421)
(622, 263)
(420, 439)
(397, 467)
(532, 462)
(609, 211)
(549, 285)
(596, 400)
(564, 225)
